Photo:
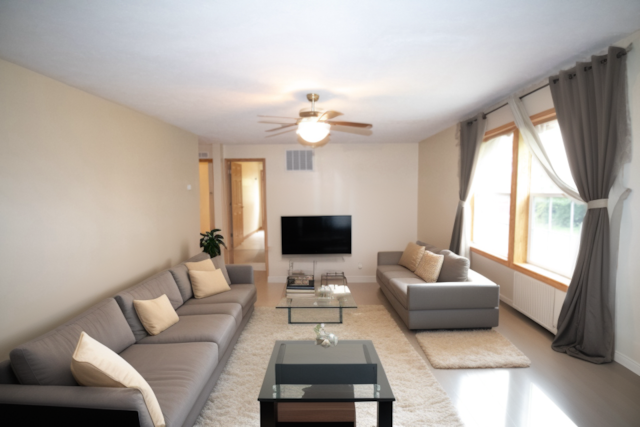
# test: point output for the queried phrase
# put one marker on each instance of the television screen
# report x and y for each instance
(309, 235)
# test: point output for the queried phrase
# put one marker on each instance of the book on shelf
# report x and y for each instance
(301, 291)
(301, 295)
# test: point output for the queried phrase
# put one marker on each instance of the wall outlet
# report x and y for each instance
(359, 266)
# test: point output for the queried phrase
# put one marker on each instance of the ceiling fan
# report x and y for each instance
(314, 125)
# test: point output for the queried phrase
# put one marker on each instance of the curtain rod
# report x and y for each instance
(587, 68)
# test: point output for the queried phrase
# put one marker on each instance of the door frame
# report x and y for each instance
(212, 216)
(263, 202)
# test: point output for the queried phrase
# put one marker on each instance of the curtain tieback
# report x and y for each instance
(598, 204)
(462, 203)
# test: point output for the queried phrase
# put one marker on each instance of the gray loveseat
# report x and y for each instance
(460, 299)
(181, 364)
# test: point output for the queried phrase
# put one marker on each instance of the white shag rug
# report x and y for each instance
(481, 348)
(420, 400)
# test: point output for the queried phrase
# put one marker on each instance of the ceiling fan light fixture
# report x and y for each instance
(313, 131)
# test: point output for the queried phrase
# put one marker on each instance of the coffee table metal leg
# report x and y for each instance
(385, 414)
(268, 414)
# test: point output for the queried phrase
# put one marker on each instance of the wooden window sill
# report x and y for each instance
(545, 276)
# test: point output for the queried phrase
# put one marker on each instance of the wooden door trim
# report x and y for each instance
(227, 202)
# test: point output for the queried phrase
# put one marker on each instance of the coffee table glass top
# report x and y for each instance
(341, 298)
(312, 353)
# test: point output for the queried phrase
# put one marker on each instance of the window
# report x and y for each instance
(492, 197)
(555, 220)
(520, 218)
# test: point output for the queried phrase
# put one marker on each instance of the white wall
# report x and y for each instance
(628, 281)
(93, 198)
(375, 183)
(431, 225)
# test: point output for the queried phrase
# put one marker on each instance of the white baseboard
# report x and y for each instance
(627, 362)
(350, 279)
(506, 300)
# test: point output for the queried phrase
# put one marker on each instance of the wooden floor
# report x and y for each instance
(557, 390)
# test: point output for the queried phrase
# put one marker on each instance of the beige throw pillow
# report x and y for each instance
(411, 256)
(157, 314)
(206, 265)
(207, 283)
(429, 267)
(96, 365)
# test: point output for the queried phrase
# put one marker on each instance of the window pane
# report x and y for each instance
(492, 196)
(555, 224)
(555, 221)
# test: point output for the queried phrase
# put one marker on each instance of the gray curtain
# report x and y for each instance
(591, 107)
(471, 135)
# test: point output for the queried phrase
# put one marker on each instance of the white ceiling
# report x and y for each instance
(411, 68)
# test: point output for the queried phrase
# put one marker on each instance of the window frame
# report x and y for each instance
(520, 207)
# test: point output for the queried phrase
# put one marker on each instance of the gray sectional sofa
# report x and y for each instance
(460, 299)
(181, 364)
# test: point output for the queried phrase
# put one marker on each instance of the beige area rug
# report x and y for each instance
(470, 349)
(420, 400)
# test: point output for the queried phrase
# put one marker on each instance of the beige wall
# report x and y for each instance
(437, 187)
(375, 183)
(93, 198)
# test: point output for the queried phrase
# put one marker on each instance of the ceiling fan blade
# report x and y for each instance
(281, 127)
(276, 134)
(328, 115)
(280, 117)
(354, 124)
(273, 123)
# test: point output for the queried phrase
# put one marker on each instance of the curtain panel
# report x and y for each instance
(471, 135)
(592, 111)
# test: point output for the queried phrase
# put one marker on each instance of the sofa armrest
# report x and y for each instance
(76, 405)
(452, 295)
(389, 258)
(240, 274)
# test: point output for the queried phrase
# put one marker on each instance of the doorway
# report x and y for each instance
(205, 170)
(247, 212)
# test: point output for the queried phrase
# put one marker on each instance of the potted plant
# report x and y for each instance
(211, 241)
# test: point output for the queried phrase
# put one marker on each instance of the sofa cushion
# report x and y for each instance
(208, 283)
(245, 295)
(427, 246)
(387, 272)
(177, 373)
(429, 267)
(411, 256)
(455, 268)
(94, 365)
(46, 360)
(219, 263)
(231, 308)
(398, 288)
(156, 314)
(161, 283)
(217, 328)
(180, 274)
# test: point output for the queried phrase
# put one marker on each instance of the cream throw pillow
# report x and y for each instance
(157, 314)
(429, 267)
(96, 365)
(206, 265)
(207, 283)
(411, 256)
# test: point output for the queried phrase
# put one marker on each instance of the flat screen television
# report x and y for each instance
(313, 235)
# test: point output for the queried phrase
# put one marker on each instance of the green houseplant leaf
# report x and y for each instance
(211, 242)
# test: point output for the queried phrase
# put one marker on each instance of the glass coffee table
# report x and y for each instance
(302, 372)
(312, 309)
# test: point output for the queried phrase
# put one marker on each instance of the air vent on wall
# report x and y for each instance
(299, 160)
(203, 155)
